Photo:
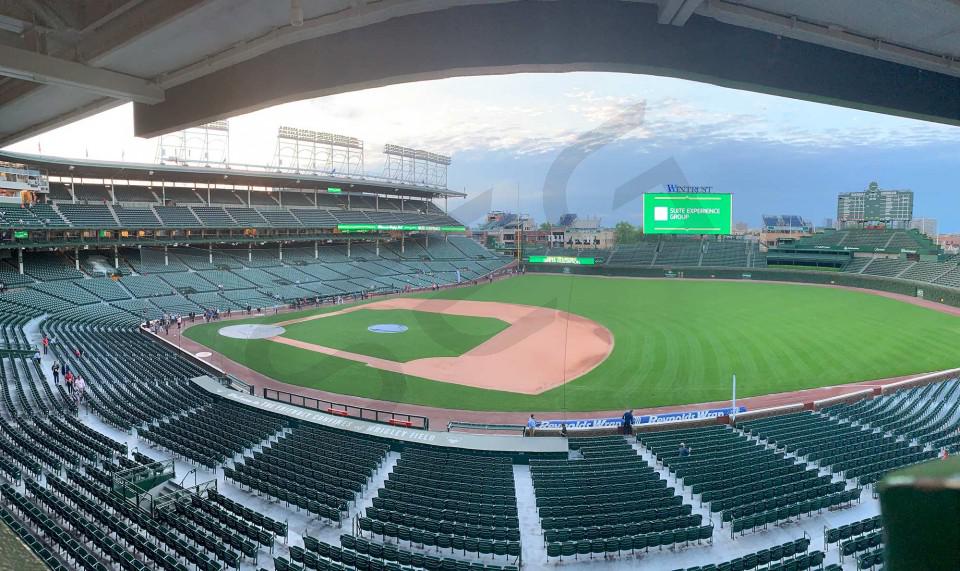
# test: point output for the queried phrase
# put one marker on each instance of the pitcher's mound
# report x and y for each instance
(251, 331)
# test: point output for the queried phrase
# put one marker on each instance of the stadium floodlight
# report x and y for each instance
(306, 150)
(415, 165)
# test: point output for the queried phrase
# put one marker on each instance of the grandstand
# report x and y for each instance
(273, 492)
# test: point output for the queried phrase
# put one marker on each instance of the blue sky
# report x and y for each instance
(776, 155)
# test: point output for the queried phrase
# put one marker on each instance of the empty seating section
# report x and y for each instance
(213, 216)
(176, 216)
(361, 553)
(856, 265)
(855, 452)
(790, 556)
(450, 500)
(137, 217)
(91, 193)
(179, 196)
(49, 267)
(640, 254)
(886, 267)
(928, 415)
(890, 241)
(36, 216)
(315, 469)
(188, 282)
(315, 218)
(146, 286)
(247, 217)
(92, 216)
(213, 434)
(927, 271)
(280, 218)
(582, 502)
(681, 251)
(723, 467)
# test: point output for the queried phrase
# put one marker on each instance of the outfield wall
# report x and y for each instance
(931, 292)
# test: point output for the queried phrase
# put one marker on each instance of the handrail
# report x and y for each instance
(348, 410)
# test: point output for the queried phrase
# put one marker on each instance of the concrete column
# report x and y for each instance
(280, 250)
(378, 247)
(208, 194)
(445, 209)
(250, 252)
(316, 250)
(20, 260)
(166, 256)
(76, 258)
(426, 240)
(210, 251)
(348, 247)
(377, 202)
(402, 249)
(116, 257)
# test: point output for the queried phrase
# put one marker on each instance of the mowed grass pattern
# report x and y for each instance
(428, 334)
(676, 342)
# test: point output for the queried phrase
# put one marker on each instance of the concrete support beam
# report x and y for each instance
(676, 12)
(39, 68)
(574, 35)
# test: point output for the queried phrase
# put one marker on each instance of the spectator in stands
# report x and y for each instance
(684, 450)
(944, 454)
(531, 425)
(179, 321)
(563, 430)
(36, 358)
(55, 369)
(68, 378)
(628, 422)
(79, 387)
(46, 343)
(78, 352)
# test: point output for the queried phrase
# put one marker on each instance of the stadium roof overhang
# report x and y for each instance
(121, 171)
(187, 62)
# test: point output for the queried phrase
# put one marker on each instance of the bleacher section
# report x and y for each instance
(870, 241)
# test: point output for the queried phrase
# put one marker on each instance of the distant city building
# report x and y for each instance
(874, 207)
(828, 223)
(926, 226)
(949, 242)
(776, 227)
(741, 228)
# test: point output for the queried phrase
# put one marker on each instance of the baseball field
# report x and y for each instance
(556, 342)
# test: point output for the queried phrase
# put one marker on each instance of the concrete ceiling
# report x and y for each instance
(186, 62)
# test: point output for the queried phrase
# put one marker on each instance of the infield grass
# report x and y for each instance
(676, 342)
(428, 334)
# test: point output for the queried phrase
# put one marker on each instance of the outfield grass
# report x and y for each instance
(428, 334)
(676, 342)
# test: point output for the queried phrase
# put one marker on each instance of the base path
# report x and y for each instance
(542, 349)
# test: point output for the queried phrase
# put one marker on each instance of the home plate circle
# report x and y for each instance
(251, 331)
(387, 328)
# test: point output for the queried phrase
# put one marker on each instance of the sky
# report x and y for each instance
(590, 143)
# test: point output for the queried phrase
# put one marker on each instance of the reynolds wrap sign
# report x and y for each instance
(643, 419)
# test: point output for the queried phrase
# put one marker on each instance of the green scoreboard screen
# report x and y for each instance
(561, 260)
(680, 213)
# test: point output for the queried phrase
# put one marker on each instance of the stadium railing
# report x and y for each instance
(348, 410)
